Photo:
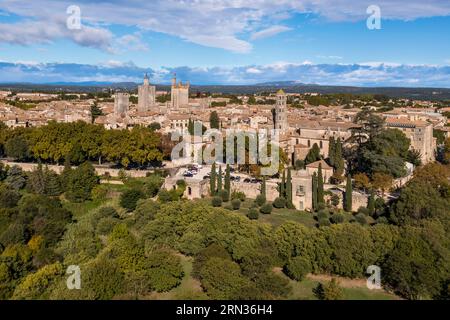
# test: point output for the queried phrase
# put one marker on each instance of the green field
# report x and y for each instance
(304, 291)
(279, 216)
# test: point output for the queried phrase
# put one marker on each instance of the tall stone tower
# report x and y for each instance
(281, 122)
(179, 93)
(146, 95)
(121, 103)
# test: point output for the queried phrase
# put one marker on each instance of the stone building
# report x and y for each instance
(421, 135)
(146, 95)
(179, 94)
(121, 103)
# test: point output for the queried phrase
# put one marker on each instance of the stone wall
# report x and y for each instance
(28, 167)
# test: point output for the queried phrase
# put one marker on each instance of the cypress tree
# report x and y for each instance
(219, 180)
(227, 181)
(66, 173)
(331, 151)
(320, 191)
(348, 195)
(371, 203)
(263, 188)
(338, 159)
(289, 189)
(314, 192)
(283, 186)
(212, 180)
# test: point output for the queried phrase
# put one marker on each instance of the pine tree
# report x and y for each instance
(37, 181)
(314, 191)
(331, 151)
(53, 183)
(289, 189)
(283, 186)
(348, 195)
(320, 191)
(228, 181)
(212, 180)
(219, 181)
(263, 188)
(371, 203)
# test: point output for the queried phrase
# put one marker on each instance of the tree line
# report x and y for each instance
(79, 142)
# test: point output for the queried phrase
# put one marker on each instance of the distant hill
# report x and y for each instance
(288, 86)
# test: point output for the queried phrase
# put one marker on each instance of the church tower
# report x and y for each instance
(281, 122)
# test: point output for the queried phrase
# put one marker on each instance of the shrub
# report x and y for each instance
(129, 199)
(99, 192)
(382, 220)
(364, 211)
(106, 225)
(216, 202)
(290, 205)
(254, 205)
(322, 214)
(253, 214)
(238, 195)
(280, 203)
(153, 185)
(164, 196)
(108, 211)
(297, 268)
(236, 204)
(324, 222)
(337, 218)
(8, 197)
(266, 209)
(228, 207)
(361, 218)
(225, 196)
(260, 200)
(329, 291)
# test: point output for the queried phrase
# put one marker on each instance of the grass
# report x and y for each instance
(280, 216)
(304, 291)
(189, 288)
(79, 209)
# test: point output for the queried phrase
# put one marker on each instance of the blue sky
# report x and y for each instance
(227, 41)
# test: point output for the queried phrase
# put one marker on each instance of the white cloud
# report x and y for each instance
(45, 32)
(254, 71)
(218, 23)
(325, 74)
(269, 32)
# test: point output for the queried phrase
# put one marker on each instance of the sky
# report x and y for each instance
(227, 41)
